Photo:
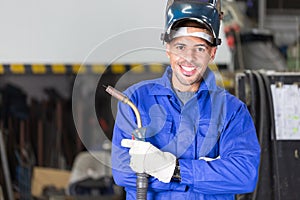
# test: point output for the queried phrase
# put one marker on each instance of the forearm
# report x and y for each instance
(236, 171)
(222, 176)
(158, 186)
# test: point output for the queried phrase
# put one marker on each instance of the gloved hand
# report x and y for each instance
(147, 158)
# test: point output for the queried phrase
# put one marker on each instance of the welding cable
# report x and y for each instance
(262, 106)
(272, 131)
(257, 101)
(260, 118)
(253, 95)
(141, 178)
(262, 109)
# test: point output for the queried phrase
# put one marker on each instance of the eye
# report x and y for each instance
(180, 47)
(201, 49)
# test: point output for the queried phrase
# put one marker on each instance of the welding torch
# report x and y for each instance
(142, 178)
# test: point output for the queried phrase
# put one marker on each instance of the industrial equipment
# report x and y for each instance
(273, 101)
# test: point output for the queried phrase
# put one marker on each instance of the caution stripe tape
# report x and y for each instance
(63, 69)
(74, 69)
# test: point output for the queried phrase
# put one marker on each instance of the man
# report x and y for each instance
(200, 141)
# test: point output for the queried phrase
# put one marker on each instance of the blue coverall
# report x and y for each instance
(213, 123)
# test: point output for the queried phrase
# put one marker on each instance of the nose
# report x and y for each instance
(189, 55)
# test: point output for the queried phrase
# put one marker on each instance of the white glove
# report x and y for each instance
(147, 158)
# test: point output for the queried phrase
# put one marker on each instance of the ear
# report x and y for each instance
(168, 50)
(213, 53)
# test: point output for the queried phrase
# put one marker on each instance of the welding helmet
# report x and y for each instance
(205, 12)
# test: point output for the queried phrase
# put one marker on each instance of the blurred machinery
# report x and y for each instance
(273, 101)
(90, 175)
(251, 47)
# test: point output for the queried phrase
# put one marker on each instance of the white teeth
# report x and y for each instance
(188, 69)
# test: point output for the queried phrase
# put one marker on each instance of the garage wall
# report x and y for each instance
(73, 31)
(66, 31)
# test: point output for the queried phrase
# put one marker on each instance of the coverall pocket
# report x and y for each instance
(159, 130)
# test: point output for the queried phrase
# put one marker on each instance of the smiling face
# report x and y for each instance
(189, 57)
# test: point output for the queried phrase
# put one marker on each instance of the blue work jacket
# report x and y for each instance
(212, 124)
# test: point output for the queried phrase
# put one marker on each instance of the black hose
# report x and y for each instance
(253, 96)
(262, 106)
(141, 186)
(261, 120)
(141, 178)
(273, 134)
(263, 115)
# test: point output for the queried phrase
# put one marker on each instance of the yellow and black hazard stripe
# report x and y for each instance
(62, 69)
(77, 69)
(66, 69)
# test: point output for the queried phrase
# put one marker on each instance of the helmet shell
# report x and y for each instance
(203, 12)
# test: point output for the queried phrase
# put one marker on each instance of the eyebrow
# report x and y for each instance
(201, 45)
(196, 45)
(177, 43)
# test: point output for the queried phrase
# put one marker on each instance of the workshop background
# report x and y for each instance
(56, 119)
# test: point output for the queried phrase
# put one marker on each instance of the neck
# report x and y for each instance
(186, 88)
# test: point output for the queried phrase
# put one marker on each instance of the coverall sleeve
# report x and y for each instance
(123, 175)
(236, 171)
(124, 125)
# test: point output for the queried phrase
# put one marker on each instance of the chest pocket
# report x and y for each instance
(159, 126)
(209, 132)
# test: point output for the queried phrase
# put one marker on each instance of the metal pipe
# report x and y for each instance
(298, 42)
(261, 14)
(121, 97)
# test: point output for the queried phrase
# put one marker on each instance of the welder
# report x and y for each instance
(199, 141)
